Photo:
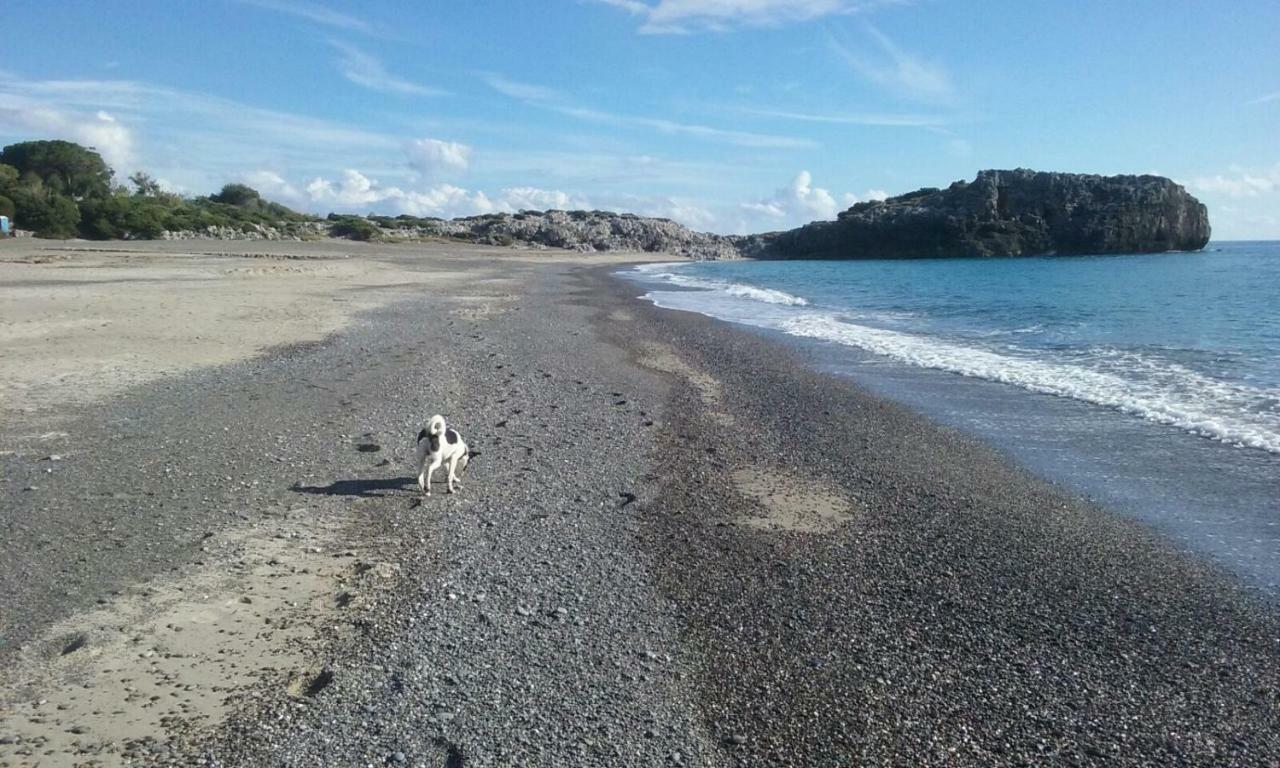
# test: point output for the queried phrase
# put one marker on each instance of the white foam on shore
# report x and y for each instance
(1156, 390)
(1165, 394)
(668, 273)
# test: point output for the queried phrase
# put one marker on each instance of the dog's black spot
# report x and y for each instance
(435, 443)
(450, 436)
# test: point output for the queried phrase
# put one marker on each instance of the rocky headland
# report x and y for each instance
(1000, 213)
(1006, 213)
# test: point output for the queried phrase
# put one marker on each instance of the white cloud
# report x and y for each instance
(875, 194)
(1241, 183)
(687, 16)
(797, 203)
(533, 198)
(356, 192)
(368, 72)
(271, 185)
(553, 100)
(197, 141)
(897, 71)
(100, 131)
(433, 157)
(317, 14)
(869, 118)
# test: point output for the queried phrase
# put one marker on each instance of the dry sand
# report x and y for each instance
(81, 320)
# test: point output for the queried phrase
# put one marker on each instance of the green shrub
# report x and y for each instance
(353, 228)
(45, 213)
(238, 194)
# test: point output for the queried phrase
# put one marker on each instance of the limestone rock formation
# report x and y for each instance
(1006, 213)
(575, 230)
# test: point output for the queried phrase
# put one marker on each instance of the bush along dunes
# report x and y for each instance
(60, 189)
(1007, 213)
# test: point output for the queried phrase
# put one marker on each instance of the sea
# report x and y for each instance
(1148, 383)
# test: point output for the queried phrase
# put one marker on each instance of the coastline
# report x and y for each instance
(679, 545)
(965, 594)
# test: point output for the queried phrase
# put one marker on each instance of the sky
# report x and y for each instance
(725, 115)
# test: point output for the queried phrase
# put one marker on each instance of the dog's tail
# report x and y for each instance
(436, 425)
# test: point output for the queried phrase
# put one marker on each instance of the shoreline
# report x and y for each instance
(678, 545)
(946, 534)
(1211, 495)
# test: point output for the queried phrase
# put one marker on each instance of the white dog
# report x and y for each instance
(438, 444)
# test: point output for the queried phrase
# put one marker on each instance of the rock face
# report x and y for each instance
(295, 231)
(1005, 213)
(575, 230)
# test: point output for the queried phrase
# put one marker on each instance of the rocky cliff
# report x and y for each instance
(573, 230)
(1005, 213)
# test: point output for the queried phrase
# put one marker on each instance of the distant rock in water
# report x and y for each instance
(1005, 213)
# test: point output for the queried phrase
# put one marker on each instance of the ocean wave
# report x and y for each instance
(1176, 397)
(664, 273)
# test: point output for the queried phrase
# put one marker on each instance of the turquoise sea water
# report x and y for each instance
(1150, 382)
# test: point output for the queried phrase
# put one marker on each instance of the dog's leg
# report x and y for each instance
(422, 466)
(453, 476)
(431, 470)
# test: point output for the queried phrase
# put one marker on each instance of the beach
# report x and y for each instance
(679, 544)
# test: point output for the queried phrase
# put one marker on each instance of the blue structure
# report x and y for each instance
(4, 226)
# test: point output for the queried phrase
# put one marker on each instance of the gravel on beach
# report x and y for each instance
(677, 546)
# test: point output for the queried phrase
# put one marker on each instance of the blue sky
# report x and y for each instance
(727, 115)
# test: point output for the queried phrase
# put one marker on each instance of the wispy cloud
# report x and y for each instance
(158, 129)
(522, 91)
(1239, 182)
(317, 14)
(689, 16)
(1263, 99)
(555, 101)
(865, 118)
(368, 72)
(896, 70)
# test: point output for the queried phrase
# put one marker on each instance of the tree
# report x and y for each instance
(8, 177)
(237, 194)
(49, 214)
(7, 207)
(147, 186)
(63, 167)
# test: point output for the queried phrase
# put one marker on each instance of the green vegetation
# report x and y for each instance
(353, 227)
(61, 189)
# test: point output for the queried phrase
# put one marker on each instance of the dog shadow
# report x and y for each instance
(367, 488)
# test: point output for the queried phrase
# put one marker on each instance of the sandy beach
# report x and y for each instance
(678, 545)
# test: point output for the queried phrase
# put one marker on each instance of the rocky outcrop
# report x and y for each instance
(1005, 213)
(293, 230)
(572, 230)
